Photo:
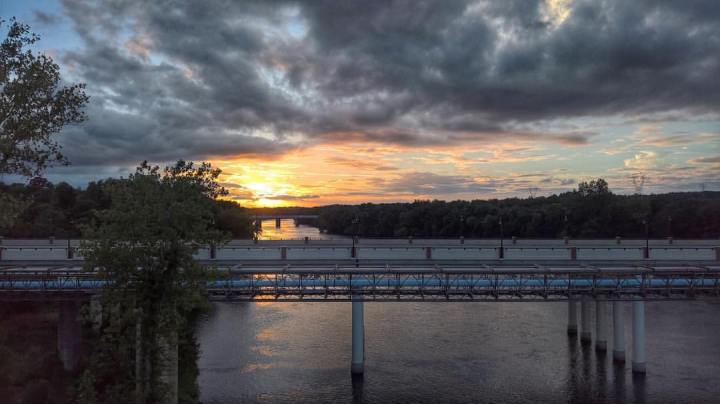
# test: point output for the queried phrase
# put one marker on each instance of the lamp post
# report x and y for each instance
(647, 237)
(462, 225)
(670, 226)
(565, 224)
(502, 249)
(356, 222)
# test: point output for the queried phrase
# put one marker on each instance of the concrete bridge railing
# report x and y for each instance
(380, 252)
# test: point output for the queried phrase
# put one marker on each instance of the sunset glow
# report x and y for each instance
(310, 103)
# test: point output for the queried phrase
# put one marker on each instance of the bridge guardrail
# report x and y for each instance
(264, 252)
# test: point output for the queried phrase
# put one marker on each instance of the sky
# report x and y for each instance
(317, 102)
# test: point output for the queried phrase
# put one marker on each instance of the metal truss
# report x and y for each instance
(472, 283)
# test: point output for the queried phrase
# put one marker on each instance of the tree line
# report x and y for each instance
(590, 211)
(63, 211)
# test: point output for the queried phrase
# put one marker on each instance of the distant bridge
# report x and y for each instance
(272, 217)
(415, 270)
(279, 218)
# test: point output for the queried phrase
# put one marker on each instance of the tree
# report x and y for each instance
(596, 187)
(144, 247)
(33, 105)
(234, 219)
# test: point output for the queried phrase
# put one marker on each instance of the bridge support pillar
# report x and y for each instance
(600, 326)
(277, 223)
(638, 360)
(618, 333)
(96, 312)
(69, 334)
(585, 332)
(357, 365)
(572, 327)
(168, 346)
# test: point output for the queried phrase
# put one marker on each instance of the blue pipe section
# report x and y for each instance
(577, 283)
(386, 283)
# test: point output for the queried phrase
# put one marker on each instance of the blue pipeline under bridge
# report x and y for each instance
(386, 283)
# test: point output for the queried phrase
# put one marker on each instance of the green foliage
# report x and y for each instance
(598, 187)
(144, 244)
(33, 105)
(10, 209)
(42, 209)
(233, 219)
(592, 212)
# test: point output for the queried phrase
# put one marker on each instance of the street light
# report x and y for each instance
(670, 226)
(647, 236)
(462, 225)
(355, 222)
(502, 250)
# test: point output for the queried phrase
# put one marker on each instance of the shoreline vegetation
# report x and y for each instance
(591, 211)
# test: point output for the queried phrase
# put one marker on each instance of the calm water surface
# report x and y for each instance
(287, 230)
(450, 352)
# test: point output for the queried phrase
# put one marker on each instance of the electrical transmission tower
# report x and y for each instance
(638, 181)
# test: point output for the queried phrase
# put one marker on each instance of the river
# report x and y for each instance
(448, 352)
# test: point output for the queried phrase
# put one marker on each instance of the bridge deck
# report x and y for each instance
(466, 270)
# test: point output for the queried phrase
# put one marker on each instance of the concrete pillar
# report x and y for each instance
(618, 333)
(638, 360)
(168, 346)
(600, 326)
(585, 332)
(357, 366)
(69, 334)
(140, 362)
(96, 312)
(572, 327)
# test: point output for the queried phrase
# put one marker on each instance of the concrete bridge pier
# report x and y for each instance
(357, 365)
(600, 326)
(585, 333)
(618, 333)
(572, 327)
(168, 346)
(69, 334)
(638, 360)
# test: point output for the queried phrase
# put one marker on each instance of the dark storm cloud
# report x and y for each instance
(194, 79)
(46, 19)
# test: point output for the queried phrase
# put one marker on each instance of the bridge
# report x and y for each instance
(604, 272)
(279, 218)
